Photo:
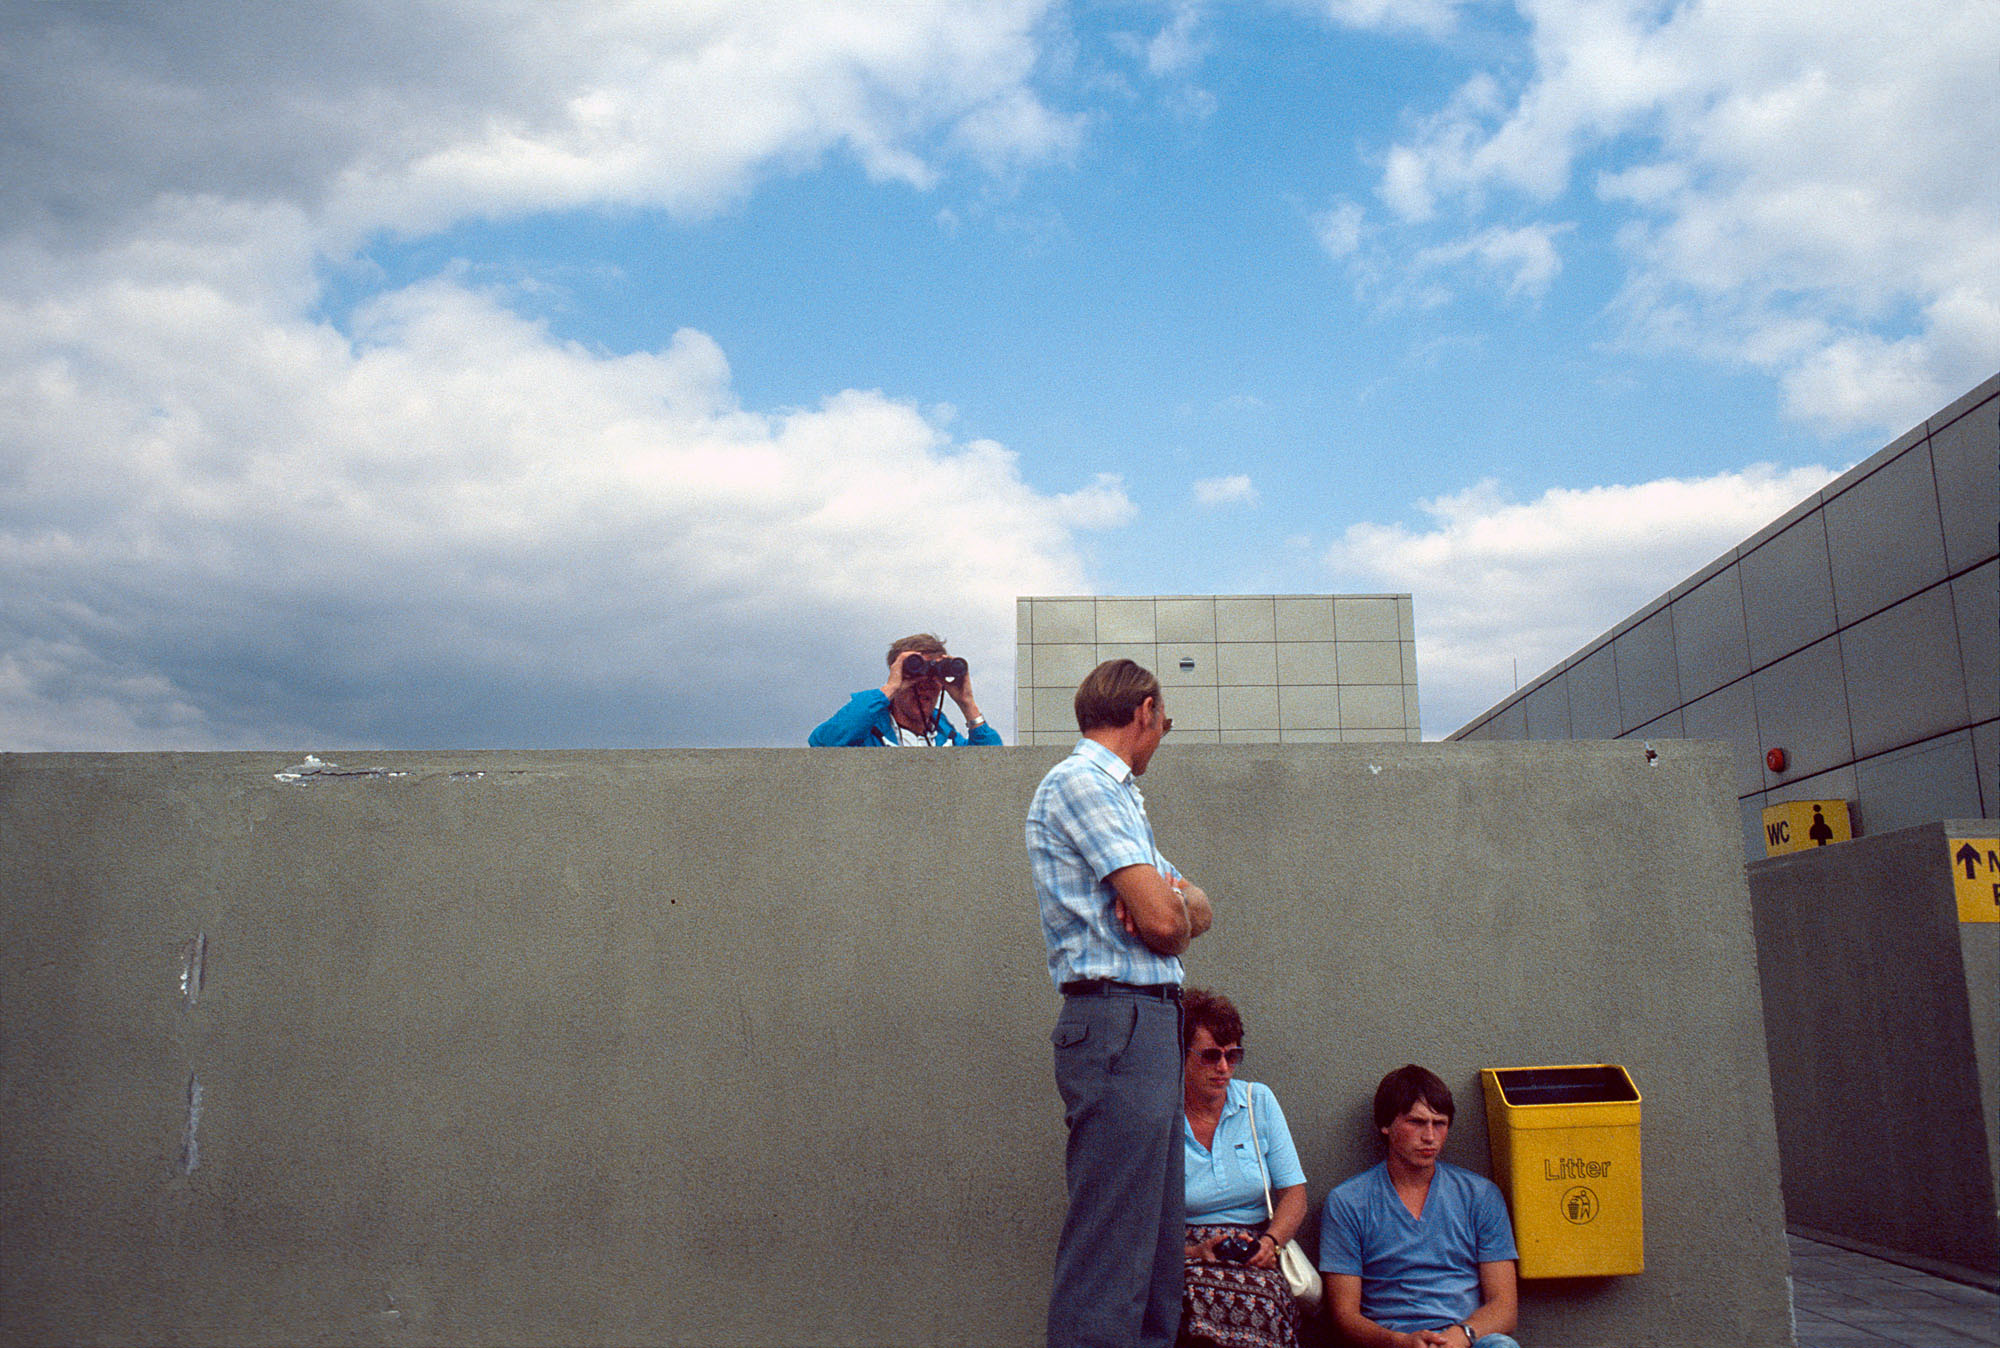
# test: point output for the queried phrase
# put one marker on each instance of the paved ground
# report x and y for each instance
(1845, 1300)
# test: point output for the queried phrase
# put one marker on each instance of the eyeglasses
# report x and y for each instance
(1212, 1056)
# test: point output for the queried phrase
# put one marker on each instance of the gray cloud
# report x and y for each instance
(407, 115)
(225, 523)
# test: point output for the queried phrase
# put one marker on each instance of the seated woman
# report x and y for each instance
(1233, 1299)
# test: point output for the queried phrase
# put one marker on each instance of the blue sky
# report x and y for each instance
(431, 375)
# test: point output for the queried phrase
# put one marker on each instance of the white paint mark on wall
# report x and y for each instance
(194, 968)
(314, 767)
(191, 1135)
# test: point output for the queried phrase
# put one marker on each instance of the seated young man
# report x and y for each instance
(1418, 1253)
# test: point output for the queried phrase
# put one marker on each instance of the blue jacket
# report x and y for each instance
(866, 720)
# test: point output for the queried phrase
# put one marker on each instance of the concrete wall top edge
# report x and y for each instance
(1709, 572)
(1273, 594)
(1989, 388)
(1519, 694)
(355, 763)
(1791, 517)
(1912, 437)
(357, 767)
(1563, 666)
(1900, 445)
(1873, 464)
(1649, 609)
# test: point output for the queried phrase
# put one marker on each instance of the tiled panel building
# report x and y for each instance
(1236, 669)
(1859, 632)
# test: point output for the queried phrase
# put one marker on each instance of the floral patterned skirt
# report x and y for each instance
(1234, 1305)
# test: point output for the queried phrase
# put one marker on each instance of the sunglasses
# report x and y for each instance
(1212, 1056)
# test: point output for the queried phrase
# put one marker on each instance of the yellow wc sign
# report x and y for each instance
(1797, 825)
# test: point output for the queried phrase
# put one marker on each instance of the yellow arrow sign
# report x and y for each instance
(1975, 874)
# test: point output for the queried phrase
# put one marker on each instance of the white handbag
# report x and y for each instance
(1307, 1289)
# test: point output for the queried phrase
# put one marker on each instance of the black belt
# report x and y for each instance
(1105, 987)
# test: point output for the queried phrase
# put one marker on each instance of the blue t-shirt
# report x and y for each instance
(1415, 1274)
(1223, 1181)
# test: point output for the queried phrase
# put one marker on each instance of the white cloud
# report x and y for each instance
(1498, 582)
(225, 530)
(225, 522)
(1101, 505)
(1171, 58)
(1524, 260)
(1809, 187)
(1435, 17)
(1339, 229)
(1219, 491)
(1177, 47)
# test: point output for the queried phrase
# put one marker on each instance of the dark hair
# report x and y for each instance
(1201, 1009)
(1109, 694)
(916, 641)
(1405, 1086)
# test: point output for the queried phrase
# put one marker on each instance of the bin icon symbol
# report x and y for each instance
(1565, 1144)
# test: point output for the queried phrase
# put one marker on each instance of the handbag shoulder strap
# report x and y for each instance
(1250, 1090)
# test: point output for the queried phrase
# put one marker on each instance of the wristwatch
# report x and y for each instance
(1470, 1337)
(975, 723)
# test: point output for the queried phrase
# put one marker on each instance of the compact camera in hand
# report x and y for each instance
(1235, 1249)
(951, 669)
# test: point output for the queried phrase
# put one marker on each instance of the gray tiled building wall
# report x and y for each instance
(1859, 632)
(1236, 669)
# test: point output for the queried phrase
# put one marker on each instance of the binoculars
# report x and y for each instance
(951, 669)
(1235, 1249)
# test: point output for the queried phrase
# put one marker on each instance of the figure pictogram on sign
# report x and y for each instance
(1579, 1205)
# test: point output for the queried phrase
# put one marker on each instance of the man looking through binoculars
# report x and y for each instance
(908, 709)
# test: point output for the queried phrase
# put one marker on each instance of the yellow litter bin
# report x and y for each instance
(1565, 1144)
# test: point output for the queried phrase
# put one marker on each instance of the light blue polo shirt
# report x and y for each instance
(1223, 1181)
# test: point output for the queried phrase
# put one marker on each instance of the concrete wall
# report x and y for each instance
(1859, 632)
(750, 1047)
(1237, 668)
(1884, 1030)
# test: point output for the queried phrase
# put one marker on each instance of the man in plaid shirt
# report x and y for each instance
(1116, 916)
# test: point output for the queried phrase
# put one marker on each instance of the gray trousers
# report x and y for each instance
(1118, 1275)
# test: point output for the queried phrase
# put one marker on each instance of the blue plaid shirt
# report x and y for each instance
(1088, 820)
